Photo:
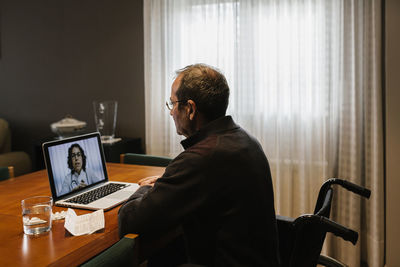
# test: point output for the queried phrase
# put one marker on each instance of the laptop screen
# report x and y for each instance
(74, 163)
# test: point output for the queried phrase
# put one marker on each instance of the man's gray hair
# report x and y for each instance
(207, 87)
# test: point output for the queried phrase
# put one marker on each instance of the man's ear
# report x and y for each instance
(192, 109)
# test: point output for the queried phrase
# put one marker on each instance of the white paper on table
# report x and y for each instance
(84, 224)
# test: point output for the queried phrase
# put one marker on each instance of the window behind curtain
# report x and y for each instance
(279, 58)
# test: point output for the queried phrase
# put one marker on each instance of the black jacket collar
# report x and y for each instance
(218, 125)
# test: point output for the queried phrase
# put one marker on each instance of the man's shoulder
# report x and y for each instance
(194, 157)
(228, 140)
(204, 146)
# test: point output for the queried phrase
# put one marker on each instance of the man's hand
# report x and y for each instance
(148, 180)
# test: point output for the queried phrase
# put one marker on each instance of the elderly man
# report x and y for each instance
(219, 189)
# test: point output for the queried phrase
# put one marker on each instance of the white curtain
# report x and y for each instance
(360, 133)
(305, 81)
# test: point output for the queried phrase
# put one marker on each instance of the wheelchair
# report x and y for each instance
(301, 239)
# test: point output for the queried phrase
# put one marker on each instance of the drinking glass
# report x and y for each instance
(36, 214)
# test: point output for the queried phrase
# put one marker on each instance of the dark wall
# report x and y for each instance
(58, 56)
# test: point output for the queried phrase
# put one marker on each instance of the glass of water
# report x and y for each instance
(36, 214)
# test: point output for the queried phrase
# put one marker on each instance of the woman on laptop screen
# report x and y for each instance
(79, 176)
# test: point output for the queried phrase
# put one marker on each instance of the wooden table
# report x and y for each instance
(57, 247)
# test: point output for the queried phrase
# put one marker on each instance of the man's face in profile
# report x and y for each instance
(177, 115)
(76, 156)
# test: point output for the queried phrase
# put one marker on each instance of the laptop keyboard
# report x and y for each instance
(97, 193)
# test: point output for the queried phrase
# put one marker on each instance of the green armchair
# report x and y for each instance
(6, 172)
(122, 253)
(143, 159)
(18, 159)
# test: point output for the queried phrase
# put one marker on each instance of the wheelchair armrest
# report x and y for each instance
(284, 220)
(356, 189)
(359, 190)
(327, 225)
(340, 230)
(330, 262)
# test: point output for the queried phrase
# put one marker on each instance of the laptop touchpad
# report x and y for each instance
(120, 194)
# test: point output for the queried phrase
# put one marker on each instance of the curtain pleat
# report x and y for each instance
(360, 154)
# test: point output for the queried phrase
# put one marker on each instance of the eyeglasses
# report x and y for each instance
(170, 104)
(77, 155)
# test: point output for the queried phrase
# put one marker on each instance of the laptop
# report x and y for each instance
(78, 175)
